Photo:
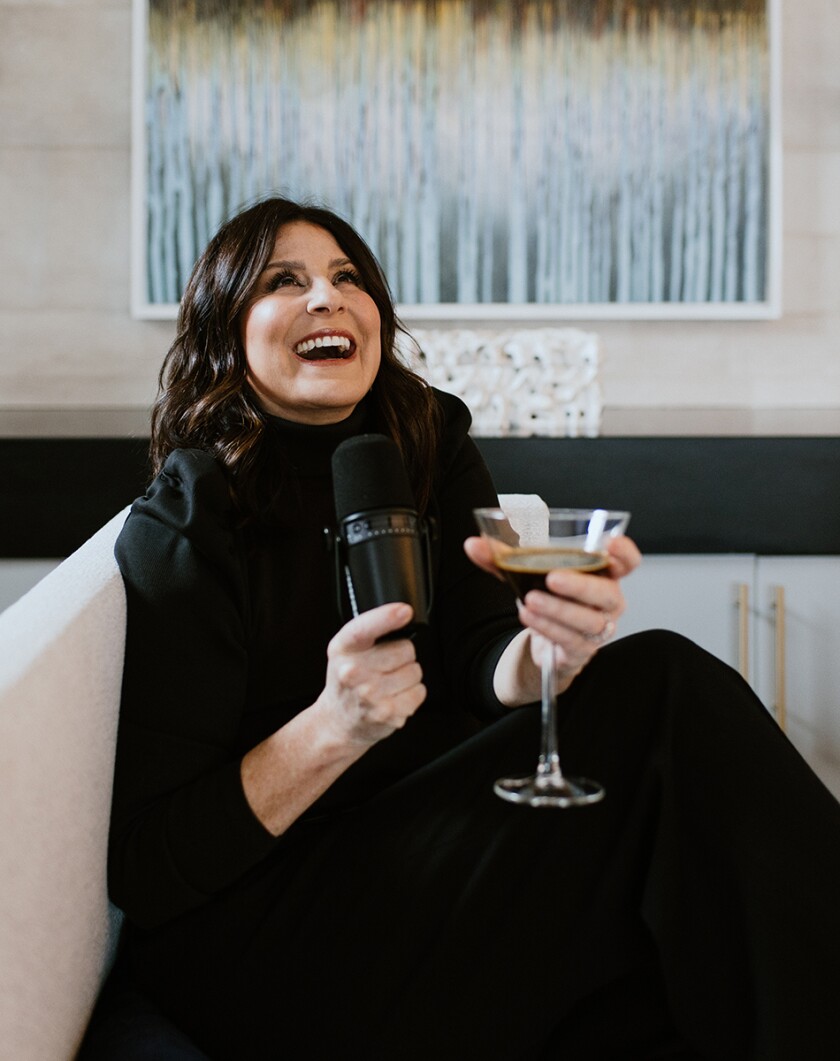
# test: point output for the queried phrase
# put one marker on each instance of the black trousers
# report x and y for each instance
(695, 912)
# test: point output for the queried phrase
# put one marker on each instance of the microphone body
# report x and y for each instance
(382, 547)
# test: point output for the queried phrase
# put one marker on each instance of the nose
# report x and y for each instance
(324, 297)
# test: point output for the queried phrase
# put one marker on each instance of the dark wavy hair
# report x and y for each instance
(204, 399)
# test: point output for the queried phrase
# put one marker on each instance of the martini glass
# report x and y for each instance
(561, 537)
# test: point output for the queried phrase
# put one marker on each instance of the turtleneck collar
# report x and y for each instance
(309, 447)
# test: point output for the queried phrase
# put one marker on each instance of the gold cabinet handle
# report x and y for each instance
(780, 705)
(744, 631)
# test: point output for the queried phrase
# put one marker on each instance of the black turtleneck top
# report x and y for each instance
(226, 641)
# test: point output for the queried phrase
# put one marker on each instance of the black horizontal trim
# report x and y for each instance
(56, 492)
(771, 496)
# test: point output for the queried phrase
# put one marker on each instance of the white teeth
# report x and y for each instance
(341, 342)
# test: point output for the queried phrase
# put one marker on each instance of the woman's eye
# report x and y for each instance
(282, 280)
(348, 276)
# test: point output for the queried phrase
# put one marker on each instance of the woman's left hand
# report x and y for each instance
(578, 612)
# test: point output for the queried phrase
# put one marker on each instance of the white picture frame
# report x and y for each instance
(730, 235)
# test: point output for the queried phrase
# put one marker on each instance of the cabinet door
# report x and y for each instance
(802, 668)
(704, 597)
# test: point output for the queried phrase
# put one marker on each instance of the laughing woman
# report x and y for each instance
(304, 836)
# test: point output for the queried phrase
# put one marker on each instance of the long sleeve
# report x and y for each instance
(475, 613)
(181, 827)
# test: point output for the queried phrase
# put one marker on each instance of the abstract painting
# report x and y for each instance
(547, 159)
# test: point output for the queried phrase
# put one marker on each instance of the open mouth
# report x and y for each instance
(326, 348)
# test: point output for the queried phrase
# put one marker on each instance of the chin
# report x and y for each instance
(341, 400)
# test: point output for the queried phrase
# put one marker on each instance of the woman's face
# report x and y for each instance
(310, 331)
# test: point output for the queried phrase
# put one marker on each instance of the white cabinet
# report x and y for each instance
(797, 653)
(775, 619)
(695, 595)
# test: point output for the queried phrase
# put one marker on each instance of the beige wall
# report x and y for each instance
(66, 334)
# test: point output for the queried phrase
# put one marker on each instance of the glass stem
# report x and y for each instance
(549, 773)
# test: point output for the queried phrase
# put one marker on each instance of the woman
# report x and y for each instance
(304, 836)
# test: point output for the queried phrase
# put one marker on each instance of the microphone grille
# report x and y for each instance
(369, 474)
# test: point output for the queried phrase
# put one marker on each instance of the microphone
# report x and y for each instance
(382, 550)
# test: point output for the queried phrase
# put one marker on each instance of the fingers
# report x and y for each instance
(381, 674)
(370, 704)
(387, 698)
(567, 623)
(587, 591)
(481, 554)
(371, 669)
(624, 556)
(578, 612)
(595, 592)
(373, 687)
(574, 645)
(366, 629)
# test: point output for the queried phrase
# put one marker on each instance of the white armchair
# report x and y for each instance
(61, 657)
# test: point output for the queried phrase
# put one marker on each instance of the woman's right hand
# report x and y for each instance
(373, 687)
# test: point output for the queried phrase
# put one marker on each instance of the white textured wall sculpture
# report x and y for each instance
(530, 381)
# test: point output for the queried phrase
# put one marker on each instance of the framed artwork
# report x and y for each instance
(505, 159)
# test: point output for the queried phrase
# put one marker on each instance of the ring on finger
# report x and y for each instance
(604, 634)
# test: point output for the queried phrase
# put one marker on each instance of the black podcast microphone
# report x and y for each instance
(382, 547)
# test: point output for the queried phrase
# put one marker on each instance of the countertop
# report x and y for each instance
(128, 421)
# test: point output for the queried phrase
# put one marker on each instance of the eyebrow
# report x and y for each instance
(334, 264)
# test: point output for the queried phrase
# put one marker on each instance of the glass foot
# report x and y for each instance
(549, 792)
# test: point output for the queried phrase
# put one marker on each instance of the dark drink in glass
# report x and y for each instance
(523, 554)
(525, 569)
